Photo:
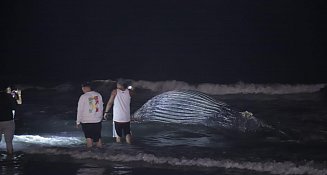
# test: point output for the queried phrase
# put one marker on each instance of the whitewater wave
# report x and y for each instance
(208, 88)
(65, 87)
(48, 141)
(221, 89)
(238, 88)
(283, 168)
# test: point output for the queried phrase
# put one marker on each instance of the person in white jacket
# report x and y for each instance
(89, 115)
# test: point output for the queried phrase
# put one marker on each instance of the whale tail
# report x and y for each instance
(254, 124)
(246, 122)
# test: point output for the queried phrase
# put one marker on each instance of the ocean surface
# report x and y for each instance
(47, 142)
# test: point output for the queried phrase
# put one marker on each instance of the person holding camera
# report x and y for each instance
(16, 94)
(7, 123)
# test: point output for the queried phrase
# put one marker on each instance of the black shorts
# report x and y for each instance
(123, 128)
(92, 130)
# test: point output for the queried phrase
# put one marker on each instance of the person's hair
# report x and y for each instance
(122, 82)
(87, 84)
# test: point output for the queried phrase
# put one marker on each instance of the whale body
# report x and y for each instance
(194, 107)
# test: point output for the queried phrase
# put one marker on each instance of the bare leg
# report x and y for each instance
(9, 145)
(99, 144)
(118, 139)
(9, 135)
(10, 148)
(128, 138)
(10, 151)
(89, 142)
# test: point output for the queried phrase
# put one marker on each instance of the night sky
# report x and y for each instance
(218, 41)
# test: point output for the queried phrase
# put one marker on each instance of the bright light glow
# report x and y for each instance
(50, 140)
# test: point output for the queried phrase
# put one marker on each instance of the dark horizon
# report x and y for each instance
(192, 41)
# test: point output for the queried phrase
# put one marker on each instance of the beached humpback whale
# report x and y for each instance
(193, 107)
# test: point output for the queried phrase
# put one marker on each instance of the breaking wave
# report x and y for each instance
(48, 141)
(221, 89)
(65, 87)
(283, 168)
(208, 88)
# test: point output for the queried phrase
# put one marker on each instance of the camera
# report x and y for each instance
(14, 93)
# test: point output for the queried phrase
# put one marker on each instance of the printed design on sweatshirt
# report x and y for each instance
(94, 104)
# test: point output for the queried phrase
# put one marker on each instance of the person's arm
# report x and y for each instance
(131, 92)
(19, 97)
(79, 111)
(110, 101)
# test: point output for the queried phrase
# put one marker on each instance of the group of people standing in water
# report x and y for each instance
(91, 112)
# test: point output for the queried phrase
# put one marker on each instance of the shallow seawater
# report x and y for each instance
(46, 141)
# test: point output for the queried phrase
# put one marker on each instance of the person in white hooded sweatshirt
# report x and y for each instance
(89, 115)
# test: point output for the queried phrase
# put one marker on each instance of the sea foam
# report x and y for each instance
(237, 88)
(208, 88)
(283, 168)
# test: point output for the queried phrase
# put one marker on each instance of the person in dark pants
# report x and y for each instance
(120, 99)
(7, 123)
(90, 114)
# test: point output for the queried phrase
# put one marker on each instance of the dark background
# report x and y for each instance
(225, 41)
